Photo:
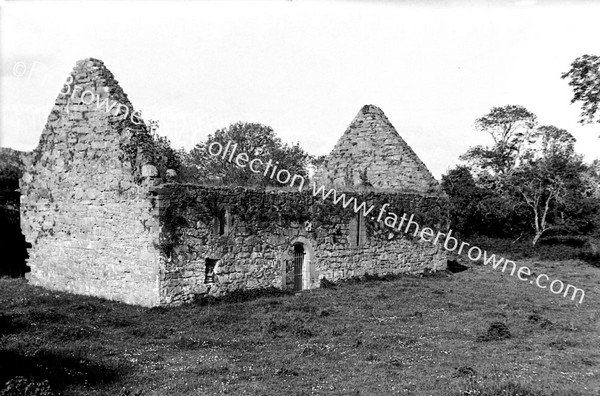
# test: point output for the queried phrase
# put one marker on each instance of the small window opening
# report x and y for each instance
(358, 232)
(223, 222)
(209, 271)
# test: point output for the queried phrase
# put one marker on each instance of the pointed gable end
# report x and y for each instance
(371, 154)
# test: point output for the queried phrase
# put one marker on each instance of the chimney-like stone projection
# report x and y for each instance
(371, 154)
(84, 205)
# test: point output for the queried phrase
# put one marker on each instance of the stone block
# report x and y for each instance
(149, 170)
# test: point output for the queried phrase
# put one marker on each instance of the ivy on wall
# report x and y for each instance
(182, 205)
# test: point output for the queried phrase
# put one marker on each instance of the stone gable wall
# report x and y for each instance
(371, 154)
(84, 206)
(256, 249)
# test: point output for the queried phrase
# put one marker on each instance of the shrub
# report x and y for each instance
(20, 386)
(277, 327)
(496, 332)
(557, 247)
(539, 321)
(326, 284)
(465, 371)
(369, 277)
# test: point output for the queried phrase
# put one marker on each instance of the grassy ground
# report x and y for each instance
(409, 336)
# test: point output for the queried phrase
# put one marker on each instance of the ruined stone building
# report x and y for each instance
(104, 219)
(371, 153)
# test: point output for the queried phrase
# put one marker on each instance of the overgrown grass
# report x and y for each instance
(435, 335)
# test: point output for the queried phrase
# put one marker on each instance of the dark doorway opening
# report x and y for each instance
(298, 264)
(12, 241)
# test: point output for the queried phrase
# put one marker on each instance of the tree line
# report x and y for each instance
(529, 181)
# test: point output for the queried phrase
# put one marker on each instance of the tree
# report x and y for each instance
(496, 211)
(257, 141)
(539, 189)
(584, 77)
(544, 182)
(591, 177)
(464, 196)
(529, 180)
(510, 127)
(580, 213)
(477, 209)
(549, 143)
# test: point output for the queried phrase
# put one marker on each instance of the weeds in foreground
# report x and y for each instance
(20, 386)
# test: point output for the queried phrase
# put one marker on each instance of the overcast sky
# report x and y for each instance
(305, 68)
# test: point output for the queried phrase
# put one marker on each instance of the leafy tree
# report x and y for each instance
(549, 176)
(584, 77)
(256, 140)
(591, 179)
(477, 209)
(189, 171)
(548, 142)
(464, 196)
(580, 213)
(539, 189)
(529, 181)
(510, 127)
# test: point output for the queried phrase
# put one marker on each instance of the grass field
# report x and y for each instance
(418, 336)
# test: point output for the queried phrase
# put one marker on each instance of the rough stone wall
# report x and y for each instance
(371, 154)
(256, 248)
(84, 205)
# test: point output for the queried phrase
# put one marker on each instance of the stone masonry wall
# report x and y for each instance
(256, 247)
(371, 154)
(84, 205)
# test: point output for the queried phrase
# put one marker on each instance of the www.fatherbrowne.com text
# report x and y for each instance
(404, 223)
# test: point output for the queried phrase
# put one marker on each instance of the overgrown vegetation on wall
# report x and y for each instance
(145, 146)
(183, 203)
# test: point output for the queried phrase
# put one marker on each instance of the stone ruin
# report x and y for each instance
(371, 153)
(103, 218)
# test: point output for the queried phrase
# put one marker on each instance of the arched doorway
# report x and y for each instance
(302, 269)
(298, 265)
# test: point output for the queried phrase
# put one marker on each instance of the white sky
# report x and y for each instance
(304, 68)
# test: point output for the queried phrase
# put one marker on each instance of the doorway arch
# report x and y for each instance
(304, 257)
